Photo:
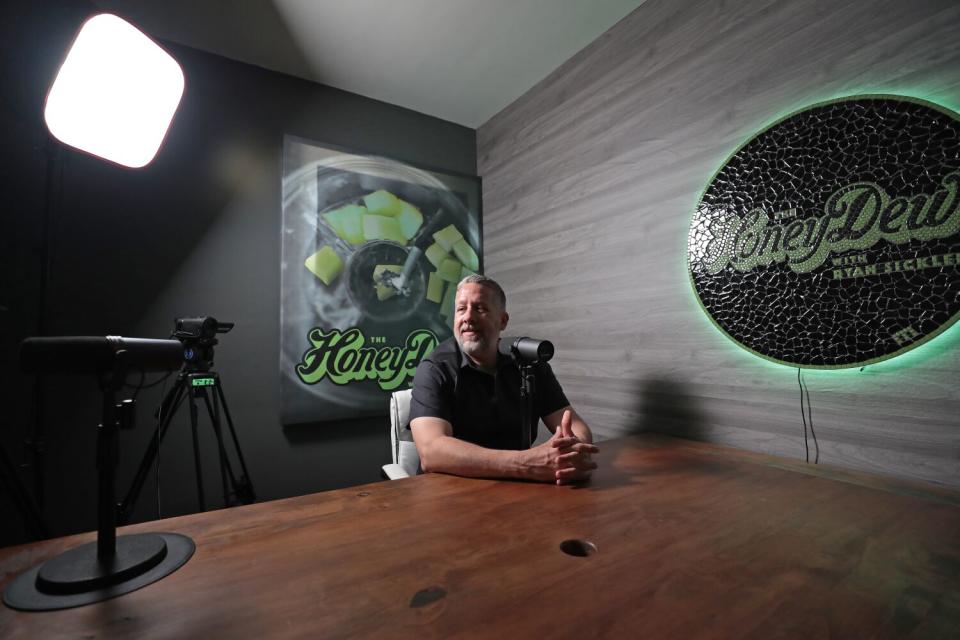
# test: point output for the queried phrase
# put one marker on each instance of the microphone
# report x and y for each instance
(526, 350)
(92, 354)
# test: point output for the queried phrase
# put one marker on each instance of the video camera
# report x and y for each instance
(198, 336)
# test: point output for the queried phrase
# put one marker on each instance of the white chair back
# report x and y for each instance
(406, 460)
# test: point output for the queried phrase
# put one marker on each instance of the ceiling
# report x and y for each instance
(459, 60)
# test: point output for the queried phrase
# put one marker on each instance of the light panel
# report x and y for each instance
(115, 94)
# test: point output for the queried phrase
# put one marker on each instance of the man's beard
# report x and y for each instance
(474, 345)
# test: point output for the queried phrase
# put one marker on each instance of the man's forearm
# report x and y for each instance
(447, 454)
(441, 452)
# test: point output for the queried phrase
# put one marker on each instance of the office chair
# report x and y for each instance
(406, 460)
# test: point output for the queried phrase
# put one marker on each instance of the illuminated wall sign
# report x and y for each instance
(831, 239)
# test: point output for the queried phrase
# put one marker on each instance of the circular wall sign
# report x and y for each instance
(831, 239)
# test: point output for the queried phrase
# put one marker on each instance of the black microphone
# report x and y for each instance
(92, 354)
(526, 350)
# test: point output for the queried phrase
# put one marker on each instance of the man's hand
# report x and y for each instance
(574, 463)
(563, 459)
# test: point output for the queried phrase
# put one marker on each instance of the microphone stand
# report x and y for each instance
(525, 353)
(111, 565)
(528, 387)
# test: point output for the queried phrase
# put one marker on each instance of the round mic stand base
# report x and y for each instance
(79, 576)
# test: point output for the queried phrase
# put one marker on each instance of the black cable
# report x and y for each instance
(803, 415)
(159, 419)
(808, 417)
(816, 444)
(136, 388)
(163, 394)
(143, 376)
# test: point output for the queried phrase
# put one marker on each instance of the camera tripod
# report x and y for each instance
(193, 383)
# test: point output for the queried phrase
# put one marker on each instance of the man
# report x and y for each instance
(466, 409)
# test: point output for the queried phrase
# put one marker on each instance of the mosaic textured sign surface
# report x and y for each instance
(831, 239)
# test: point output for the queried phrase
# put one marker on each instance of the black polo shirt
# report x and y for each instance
(484, 409)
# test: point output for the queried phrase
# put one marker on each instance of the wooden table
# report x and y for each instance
(694, 541)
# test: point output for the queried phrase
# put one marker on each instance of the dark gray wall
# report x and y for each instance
(590, 181)
(195, 233)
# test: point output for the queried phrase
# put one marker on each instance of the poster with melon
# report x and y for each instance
(371, 253)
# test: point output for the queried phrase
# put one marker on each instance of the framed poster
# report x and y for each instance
(372, 250)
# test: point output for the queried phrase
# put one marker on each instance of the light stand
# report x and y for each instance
(114, 96)
(110, 566)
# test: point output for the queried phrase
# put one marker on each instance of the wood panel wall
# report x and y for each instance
(589, 183)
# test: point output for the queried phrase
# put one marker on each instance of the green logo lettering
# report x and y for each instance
(343, 357)
(856, 217)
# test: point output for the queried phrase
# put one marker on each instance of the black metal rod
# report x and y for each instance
(196, 449)
(528, 387)
(107, 442)
(51, 206)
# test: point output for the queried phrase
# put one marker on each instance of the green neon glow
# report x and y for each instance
(932, 346)
(203, 382)
(928, 350)
(942, 99)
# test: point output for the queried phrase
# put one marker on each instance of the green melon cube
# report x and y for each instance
(450, 270)
(384, 291)
(382, 203)
(325, 264)
(333, 219)
(449, 298)
(466, 254)
(381, 274)
(353, 226)
(410, 219)
(347, 223)
(382, 228)
(380, 269)
(447, 237)
(464, 272)
(436, 254)
(435, 288)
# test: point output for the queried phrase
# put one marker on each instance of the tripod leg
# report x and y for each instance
(196, 450)
(214, 413)
(245, 492)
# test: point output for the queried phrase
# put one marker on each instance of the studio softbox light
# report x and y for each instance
(115, 94)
